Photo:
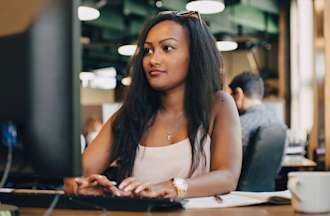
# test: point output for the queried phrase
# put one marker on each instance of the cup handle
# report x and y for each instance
(293, 184)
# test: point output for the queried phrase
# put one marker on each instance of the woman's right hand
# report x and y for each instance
(93, 185)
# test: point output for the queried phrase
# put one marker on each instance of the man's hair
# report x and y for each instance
(143, 102)
(250, 83)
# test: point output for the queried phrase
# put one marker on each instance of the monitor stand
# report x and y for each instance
(9, 210)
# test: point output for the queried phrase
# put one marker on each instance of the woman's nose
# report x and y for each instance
(155, 58)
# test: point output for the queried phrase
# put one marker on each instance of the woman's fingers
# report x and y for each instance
(93, 185)
(86, 187)
(126, 182)
(141, 187)
(163, 189)
(101, 180)
(81, 182)
(132, 186)
(114, 190)
(98, 184)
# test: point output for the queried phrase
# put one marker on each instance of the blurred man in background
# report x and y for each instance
(247, 90)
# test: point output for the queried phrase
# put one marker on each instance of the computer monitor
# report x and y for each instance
(40, 92)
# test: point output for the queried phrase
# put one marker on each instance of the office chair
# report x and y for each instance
(262, 159)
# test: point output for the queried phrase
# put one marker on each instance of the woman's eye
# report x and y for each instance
(168, 48)
(147, 51)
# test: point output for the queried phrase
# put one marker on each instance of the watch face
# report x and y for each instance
(181, 183)
(181, 186)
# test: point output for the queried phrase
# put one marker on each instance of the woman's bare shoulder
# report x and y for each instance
(223, 110)
(223, 104)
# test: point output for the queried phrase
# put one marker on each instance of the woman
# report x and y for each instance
(177, 133)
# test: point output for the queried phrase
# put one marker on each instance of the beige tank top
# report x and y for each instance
(158, 164)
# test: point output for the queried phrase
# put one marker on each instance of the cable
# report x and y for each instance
(52, 205)
(8, 166)
(9, 139)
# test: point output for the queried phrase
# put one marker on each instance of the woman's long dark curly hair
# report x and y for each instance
(142, 102)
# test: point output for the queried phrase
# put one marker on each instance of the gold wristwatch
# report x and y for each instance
(181, 187)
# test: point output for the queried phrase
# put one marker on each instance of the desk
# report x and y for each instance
(297, 161)
(261, 210)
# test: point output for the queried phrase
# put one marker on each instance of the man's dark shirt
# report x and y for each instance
(253, 118)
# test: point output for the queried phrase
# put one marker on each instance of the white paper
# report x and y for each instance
(234, 199)
(264, 196)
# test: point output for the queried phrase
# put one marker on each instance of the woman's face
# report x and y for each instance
(166, 56)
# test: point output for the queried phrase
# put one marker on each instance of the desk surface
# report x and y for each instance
(261, 210)
(297, 161)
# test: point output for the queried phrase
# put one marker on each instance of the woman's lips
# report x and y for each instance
(154, 73)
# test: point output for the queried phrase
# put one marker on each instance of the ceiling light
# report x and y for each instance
(106, 72)
(126, 81)
(127, 50)
(226, 45)
(86, 13)
(206, 6)
(86, 76)
(159, 4)
(104, 82)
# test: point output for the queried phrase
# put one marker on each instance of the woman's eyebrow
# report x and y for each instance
(161, 41)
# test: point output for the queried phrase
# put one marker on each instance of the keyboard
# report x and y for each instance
(44, 198)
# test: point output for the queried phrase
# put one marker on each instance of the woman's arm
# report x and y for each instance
(226, 151)
(96, 157)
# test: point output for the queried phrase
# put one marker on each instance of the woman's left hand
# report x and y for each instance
(163, 189)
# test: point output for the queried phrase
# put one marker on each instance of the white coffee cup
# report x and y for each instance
(310, 191)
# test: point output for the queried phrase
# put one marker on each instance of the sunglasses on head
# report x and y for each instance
(194, 14)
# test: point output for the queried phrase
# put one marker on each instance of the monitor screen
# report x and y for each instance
(40, 93)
